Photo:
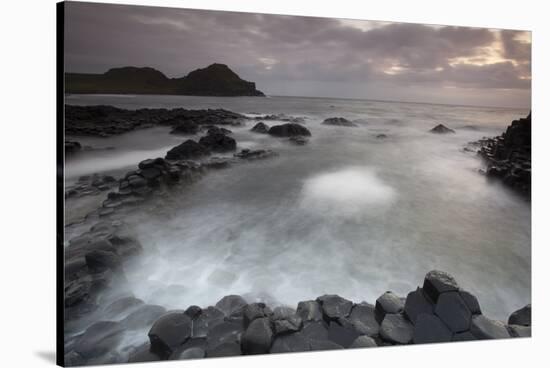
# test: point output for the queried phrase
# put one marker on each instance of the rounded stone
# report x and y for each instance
(257, 337)
(396, 329)
(169, 332)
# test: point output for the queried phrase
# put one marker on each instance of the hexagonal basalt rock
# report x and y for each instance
(388, 303)
(290, 343)
(334, 306)
(429, 329)
(257, 337)
(342, 334)
(396, 329)
(521, 317)
(417, 304)
(438, 282)
(485, 328)
(169, 332)
(471, 302)
(255, 310)
(309, 311)
(453, 311)
(363, 318)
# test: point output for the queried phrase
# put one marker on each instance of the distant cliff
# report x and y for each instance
(214, 80)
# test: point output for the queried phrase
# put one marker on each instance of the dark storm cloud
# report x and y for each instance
(285, 53)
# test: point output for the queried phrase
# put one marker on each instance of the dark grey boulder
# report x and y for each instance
(363, 318)
(208, 318)
(363, 342)
(334, 306)
(290, 343)
(149, 163)
(471, 302)
(453, 311)
(101, 260)
(441, 129)
(338, 121)
(218, 142)
(438, 282)
(169, 332)
(143, 316)
(257, 337)
(151, 173)
(388, 303)
(396, 329)
(519, 331)
(248, 154)
(255, 310)
(464, 336)
(193, 311)
(521, 317)
(99, 339)
(193, 353)
(309, 311)
(315, 331)
(230, 304)
(260, 128)
(218, 130)
(187, 150)
(318, 345)
(429, 329)
(342, 334)
(291, 324)
(143, 354)
(224, 350)
(416, 304)
(289, 130)
(185, 127)
(224, 332)
(485, 328)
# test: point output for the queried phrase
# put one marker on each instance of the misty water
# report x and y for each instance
(348, 213)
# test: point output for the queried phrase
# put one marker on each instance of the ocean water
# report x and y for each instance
(348, 213)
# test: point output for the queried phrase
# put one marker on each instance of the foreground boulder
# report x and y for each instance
(187, 150)
(218, 142)
(257, 337)
(338, 121)
(441, 129)
(169, 332)
(289, 130)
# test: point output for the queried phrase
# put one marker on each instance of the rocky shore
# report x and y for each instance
(508, 156)
(438, 311)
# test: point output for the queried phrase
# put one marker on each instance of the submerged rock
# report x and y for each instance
(261, 128)
(248, 154)
(289, 130)
(441, 129)
(338, 121)
(218, 142)
(187, 150)
(185, 127)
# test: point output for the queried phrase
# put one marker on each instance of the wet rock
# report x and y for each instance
(309, 311)
(289, 130)
(150, 163)
(342, 334)
(521, 317)
(471, 302)
(122, 305)
(143, 354)
(257, 337)
(289, 343)
(144, 316)
(101, 260)
(169, 332)
(218, 142)
(187, 150)
(388, 303)
(218, 130)
(519, 331)
(463, 336)
(260, 128)
(99, 339)
(230, 304)
(485, 328)
(224, 332)
(193, 311)
(248, 154)
(334, 306)
(285, 325)
(416, 304)
(429, 329)
(208, 318)
(224, 350)
(338, 121)
(193, 353)
(185, 127)
(441, 129)
(363, 342)
(438, 282)
(151, 173)
(396, 329)
(453, 311)
(363, 318)
(255, 310)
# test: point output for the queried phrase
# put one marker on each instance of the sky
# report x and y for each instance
(308, 56)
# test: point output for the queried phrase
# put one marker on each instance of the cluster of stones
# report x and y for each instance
(90, 184)
(508, 156)
(439, 311)
(295, 132)
(105, 121)
(339, 121)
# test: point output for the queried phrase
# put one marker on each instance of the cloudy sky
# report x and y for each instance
(306, 56)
